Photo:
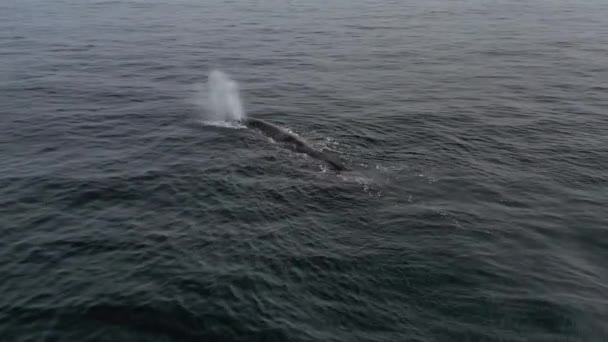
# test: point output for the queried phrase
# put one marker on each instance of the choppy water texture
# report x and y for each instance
(475, 208)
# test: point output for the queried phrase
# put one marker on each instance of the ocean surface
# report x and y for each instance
(475, 207)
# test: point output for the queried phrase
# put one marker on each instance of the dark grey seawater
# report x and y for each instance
(475, 208)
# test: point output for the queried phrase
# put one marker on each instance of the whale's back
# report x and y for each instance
(279, 133)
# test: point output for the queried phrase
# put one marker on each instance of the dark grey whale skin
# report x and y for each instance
(278, 133)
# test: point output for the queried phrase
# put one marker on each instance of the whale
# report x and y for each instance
(296, 143)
